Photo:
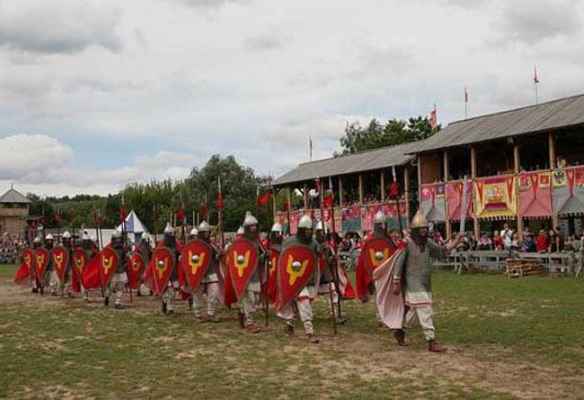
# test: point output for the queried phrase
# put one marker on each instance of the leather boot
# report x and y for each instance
(400, 336)
(435, 347)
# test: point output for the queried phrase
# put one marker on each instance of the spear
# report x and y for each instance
(321, 194)
(337, 255)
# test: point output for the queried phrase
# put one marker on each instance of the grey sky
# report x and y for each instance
(96, 94)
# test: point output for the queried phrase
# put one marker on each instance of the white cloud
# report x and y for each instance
(58, 27)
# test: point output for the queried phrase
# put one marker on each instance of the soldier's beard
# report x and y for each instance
(419, 238)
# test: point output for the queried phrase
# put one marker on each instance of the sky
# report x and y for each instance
(96, 94)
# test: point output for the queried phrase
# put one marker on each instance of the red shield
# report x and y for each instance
(41, 260)
(376, 251)
(108, 263)
(135, 269)
(79, 262)
(60, 257)
(163, 266)
(295, 267)
(242, 261)
(28, 260)
(272, 275)
(195, 260)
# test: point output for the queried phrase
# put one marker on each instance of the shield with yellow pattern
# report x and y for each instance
(376, 251)
(242, 260)
(136, 266)
(195, 260)
(79, 261)
(108, 263)
(296, 265)
(60, 257)
(163, 264)
(41, 260)
(28, 260)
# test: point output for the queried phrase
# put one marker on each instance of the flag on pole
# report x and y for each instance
(219, 203)
(433, 118)
(535, 77)
(310, 147)
(465, 95)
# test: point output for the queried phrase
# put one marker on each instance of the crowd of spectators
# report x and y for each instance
(10, 246)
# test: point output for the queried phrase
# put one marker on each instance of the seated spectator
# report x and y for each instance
(484, 243)
(515, 243)
(528, 245)
(497, 241)
(542, 242)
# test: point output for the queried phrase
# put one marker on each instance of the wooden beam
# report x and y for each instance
(516, 170)
(473, 174)
(445, 167)
(552, 154)
(419, 165)
(340, 192)
(305, 193)
(361, 189)
(382, 186)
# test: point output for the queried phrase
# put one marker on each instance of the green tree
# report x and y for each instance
(376, 134)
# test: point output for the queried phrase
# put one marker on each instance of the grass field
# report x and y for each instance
(507, 339)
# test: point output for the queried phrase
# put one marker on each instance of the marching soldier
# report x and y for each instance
(68, 245)
(90, 251)
(36, 283)
(168, 298)
(275, 249)
(308, 292)
(412, 276)
(209, 285)
(194, 233)
(251, 299)
(51, 278)
(120, 277)
(327, 263)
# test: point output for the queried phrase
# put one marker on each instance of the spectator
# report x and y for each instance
(497, 241)
(515, 243)
(542, 242)
(507, 236)
(485, 242)
(528, 245)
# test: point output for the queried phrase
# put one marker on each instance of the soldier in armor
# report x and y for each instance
(68, 245)
(36, 243)
(168, 298)
(51, 278)
(142, 246)
(327, 264)
(210, 283)
(308, 293)
(194, 233)
(90, 251)
(253, 290)
(365, 285)
(412, 276)
(276, 236)
(120, 277)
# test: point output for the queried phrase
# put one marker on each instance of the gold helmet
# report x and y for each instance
(419, 221)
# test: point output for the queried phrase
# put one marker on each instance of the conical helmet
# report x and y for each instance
(168, 229)
(419, 221)
(379, 217)
(277, 227)
(194, 231)
(204, 227)
(249, 219)
(305, 222)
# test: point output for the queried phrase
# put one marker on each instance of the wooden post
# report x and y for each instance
(360, 189)
(419, 179)
(552, 153)
(407, 193)
(274, 208)
(473, 174)
(340, 192)
(448, 224)
(382, 186)
(305, 193)
(516, 170)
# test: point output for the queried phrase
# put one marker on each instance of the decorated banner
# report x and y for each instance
(535, 194)
(351, 219)
(433, 202)
(60, 257)
(242, 260)
(454, 199)
(568, 191)
(296, 265)
(495, 197)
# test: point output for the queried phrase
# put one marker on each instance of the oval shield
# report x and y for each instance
(136, 268)
(376, 251)
(272, 275)
(108, 263)
(41, 260)
(28, 260)
(296, 265)
(195, 260)
(242, 261)
(163, 265)
(60, 257)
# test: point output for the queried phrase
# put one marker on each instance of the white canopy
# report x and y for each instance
(133, 224)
